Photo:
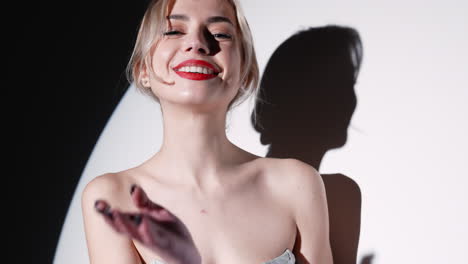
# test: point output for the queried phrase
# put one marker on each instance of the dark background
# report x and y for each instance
(66, 68)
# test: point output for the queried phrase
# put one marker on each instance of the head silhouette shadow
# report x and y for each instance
(305, 106)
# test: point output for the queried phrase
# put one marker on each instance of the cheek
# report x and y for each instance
(234, 61)
(161, 59)
(234, 78)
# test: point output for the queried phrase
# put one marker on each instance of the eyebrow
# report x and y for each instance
(210, 20)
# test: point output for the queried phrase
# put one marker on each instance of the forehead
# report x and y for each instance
(203, 9)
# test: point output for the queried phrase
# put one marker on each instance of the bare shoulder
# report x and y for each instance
(292, 175)
(110, 187)
(298, 185)
(103, 185)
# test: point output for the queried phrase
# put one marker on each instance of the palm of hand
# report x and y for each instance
(155, 227)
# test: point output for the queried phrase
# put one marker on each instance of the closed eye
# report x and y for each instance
(216, 35)
(222, 36)
(172, 33)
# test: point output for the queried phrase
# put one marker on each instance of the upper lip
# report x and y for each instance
(200, 63)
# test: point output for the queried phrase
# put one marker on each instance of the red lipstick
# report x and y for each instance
(197, 70)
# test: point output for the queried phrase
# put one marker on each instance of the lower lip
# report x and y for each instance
(196, 76)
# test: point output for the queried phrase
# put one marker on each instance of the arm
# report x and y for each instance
(104, 244)
(311, 213)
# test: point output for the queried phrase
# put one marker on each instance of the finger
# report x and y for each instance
(141, 200)
(156, 211)
(103, 208)
(127, 224)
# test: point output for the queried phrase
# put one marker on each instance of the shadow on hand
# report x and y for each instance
(304, 109)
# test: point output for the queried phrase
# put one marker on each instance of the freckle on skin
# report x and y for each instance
(203, 211)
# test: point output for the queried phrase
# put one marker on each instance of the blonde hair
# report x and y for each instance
(151, 31)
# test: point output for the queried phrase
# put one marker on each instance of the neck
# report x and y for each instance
(195, 147)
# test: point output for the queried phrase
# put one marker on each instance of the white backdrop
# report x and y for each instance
(407, 143)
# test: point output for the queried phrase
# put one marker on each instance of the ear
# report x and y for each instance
(144, 77)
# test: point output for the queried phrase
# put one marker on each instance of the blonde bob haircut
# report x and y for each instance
(151, 31)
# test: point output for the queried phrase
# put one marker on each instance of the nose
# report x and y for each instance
(197, 43)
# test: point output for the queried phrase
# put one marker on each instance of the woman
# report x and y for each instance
(200, 198)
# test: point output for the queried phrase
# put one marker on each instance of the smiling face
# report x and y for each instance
(198, 56)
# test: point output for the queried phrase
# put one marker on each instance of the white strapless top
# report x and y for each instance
(286, 258)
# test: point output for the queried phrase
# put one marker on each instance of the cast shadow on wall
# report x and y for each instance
(306, 103)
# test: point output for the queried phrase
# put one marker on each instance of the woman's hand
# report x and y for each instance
(153, 226)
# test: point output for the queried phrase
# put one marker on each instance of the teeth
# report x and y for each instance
(196, 69)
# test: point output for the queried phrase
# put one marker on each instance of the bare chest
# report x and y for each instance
(246, 227)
